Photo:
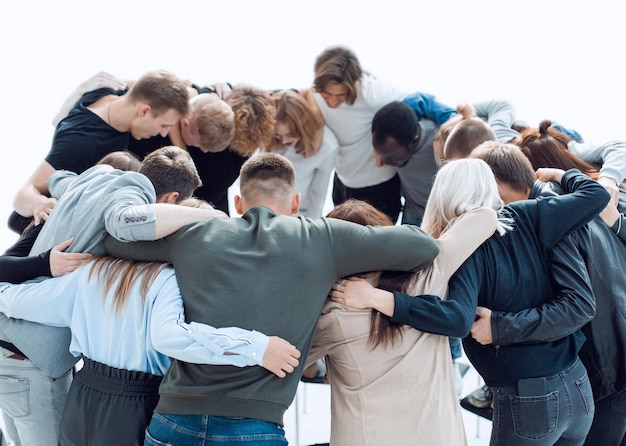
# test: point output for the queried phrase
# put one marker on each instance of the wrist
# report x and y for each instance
(383, 302)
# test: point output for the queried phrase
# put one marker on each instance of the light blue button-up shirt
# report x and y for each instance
(143, 336)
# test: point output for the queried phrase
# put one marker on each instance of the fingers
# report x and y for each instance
(64, 245)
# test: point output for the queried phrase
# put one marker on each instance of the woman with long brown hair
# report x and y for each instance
(392, 383)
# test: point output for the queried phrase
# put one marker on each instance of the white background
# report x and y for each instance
(561, 60)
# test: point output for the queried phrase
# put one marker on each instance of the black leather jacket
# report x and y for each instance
(604, 351)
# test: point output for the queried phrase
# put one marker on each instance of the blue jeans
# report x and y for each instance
(567, 406)
(205, 430)
(31, 402)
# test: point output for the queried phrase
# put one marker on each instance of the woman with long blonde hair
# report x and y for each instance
(389, 382)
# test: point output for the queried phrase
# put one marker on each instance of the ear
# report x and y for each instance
(169, 198)
(295, 204)
(143, 110)
(238, 204)
(184, 123)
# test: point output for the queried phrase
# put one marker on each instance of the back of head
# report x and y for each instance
(266, 176)
(162, 91)
(382, 330)
(468, 133)
(214, 120)
(293, 110)
(508, 164)
(447, 127)
(361, 212)
(547, 147)
(460, 186)
(171, 169)
(255, 119)
(122, 160)
(395, 120)
(338, 65)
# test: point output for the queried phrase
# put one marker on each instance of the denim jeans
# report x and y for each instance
(31, 402)
(196, 430)
(609, 422)
(567, 408)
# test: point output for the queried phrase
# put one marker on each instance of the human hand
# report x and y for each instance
(62, 263)
(42, 209)
(357, 292)
(481, 328)
(353, 292)
(611, 186)
(222, 89)
(280, 357)
(610, 214)
(102, 80)
(547, 174)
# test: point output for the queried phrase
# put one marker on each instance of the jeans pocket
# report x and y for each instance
(151, 441)
(534, 417)
(15, 396)
(587, 394)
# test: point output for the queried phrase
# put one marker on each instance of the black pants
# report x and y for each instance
(609, 422)
(384, 196)
(107, 406)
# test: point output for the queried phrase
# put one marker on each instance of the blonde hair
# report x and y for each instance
(460, 186)
(215, 122)
(123, 274)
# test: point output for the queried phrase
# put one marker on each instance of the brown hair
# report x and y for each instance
(338, 65)
(255, 119)
(171, 169)
(126, 273)
(265, 175)
(508, 163)
(122, 160)
(382, 330)
(466, 135)
(465, 111)
(293, 110)
(162, 91)
(547, 147)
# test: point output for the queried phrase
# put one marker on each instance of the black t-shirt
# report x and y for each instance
(218, 171)
(82, 138)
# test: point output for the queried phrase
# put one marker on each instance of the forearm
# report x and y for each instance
(170, 217)
(15, 269)
(571, 308)
(203, 344)
(434, 315)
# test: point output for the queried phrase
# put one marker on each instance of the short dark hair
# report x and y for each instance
(266, 174)
(171, 169)
(395, 120)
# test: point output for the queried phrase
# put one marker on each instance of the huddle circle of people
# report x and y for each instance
(136, 308)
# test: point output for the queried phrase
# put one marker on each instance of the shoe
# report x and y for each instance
(481, 397)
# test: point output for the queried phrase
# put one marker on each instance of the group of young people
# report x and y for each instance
(191, 325)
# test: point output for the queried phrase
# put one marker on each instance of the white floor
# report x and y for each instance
(312, 426)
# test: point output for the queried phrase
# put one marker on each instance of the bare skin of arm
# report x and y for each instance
(32, 199)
